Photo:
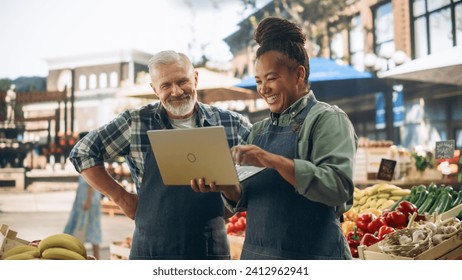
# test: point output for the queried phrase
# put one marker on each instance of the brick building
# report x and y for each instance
(400, 41)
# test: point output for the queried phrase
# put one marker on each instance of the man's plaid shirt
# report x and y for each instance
(126, 136)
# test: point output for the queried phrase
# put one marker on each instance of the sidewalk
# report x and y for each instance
(35, 214)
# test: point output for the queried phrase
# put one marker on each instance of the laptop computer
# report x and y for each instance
(193, 153)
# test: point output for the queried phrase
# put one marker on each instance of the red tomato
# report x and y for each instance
(239, 225)
(230, 228)
(243, 220)
(233, 219)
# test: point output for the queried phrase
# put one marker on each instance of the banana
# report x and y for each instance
(387, 204)
(401, 192)
(20, 249)
(380, 202)
(23, 256)
(372, 189)
(383, 195)
(395, 197)
(362, 200)
(387, 188)
(63, 240)
(57, 253)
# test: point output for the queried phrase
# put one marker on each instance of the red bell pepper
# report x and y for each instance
(375, 224)
(395, 219)
(407, 208)
(384, 230)
(363, 220)
(369, 239)
(353, 237)
(354, 252)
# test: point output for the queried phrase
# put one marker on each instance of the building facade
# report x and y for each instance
(383, 36)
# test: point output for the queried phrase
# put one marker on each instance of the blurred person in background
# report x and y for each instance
(170, 222)
(308, 148)
(85, 218)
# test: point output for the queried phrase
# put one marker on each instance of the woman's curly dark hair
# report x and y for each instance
(278, 34)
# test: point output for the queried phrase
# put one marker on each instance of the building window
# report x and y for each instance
(82, 82)
(384, 31)
(437, 25)
(103, 80)
(113, 79)
(92, 81)
(356, 38)
(336, 46)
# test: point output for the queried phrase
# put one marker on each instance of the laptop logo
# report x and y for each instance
(191, 157)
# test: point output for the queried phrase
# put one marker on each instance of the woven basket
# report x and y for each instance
(390, 244)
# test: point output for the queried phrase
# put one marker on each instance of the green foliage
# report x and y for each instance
(422, 162)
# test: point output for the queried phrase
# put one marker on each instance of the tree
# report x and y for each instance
(307, 14)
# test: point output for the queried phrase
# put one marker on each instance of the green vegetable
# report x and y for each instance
(428, 203)
(438, 194)
(393, 207)
(457, 199)
(444, 203)
(415, 192)
(423, 195)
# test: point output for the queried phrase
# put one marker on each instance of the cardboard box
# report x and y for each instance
(9, 239)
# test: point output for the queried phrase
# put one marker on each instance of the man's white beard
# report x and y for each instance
(185, 108)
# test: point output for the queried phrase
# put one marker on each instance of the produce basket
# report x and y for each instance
(392, 243)
(9, 239)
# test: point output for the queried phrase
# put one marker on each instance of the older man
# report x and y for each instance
(170, 223)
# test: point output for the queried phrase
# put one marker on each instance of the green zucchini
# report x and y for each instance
(428, 203)
(423, 195)
(443, 203)
(457, 199)
(436, 202)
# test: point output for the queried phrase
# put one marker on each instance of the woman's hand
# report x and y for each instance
(250, 155)
(256, 156)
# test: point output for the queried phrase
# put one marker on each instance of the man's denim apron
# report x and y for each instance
(175, 222)
(282, 224)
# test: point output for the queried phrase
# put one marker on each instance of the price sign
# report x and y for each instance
(386, 169)
(445, 149)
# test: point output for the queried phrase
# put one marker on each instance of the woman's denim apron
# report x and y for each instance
(175, 222)
(282, 224)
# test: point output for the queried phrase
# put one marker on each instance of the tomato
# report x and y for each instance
(230, 228)
(239, 225)
(233, 219)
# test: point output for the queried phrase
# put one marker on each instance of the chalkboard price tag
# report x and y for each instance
(445, 149)
(386, 169)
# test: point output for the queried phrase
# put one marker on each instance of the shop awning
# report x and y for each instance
(330, 79)
(443, 68)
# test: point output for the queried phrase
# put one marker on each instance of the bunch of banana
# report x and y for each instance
(379, 196)
(62, 246)
(22, 252)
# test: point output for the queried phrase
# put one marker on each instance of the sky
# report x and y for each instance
(33, 30)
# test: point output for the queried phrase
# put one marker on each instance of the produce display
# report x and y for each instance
(59, 246)
(236, 224)
(374, 216)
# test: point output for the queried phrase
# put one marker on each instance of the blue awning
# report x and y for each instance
(330, 78)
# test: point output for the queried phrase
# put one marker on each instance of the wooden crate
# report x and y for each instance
(235, 246)
(109, 207)
(119, 250)
(449, 249)
(9, 239)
